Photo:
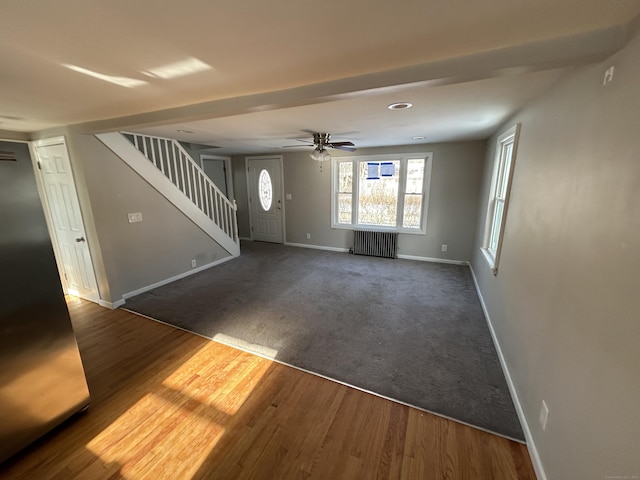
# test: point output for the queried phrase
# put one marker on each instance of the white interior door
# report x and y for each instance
(265, 198)
(66, 220)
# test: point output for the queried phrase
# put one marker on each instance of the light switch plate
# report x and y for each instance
(135, 217)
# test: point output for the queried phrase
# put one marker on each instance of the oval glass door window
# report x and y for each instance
(265, 190)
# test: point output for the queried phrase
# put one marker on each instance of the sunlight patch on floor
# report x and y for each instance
(183, 416)
(261, 350)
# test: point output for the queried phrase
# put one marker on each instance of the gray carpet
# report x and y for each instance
(407, 330)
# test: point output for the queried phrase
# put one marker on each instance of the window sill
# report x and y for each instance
(374, 228)
(490, 260)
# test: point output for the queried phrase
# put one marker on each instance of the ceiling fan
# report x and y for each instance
(322, 141)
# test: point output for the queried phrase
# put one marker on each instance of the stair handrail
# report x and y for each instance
(232, 205)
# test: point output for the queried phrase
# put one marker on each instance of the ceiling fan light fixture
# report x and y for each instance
(320, 155)
(315, 155)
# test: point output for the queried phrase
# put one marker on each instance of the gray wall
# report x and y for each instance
(9, 135)
(128, 256)
(455, 186)
(565, 304)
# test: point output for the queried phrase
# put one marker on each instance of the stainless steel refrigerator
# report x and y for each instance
(42, 381)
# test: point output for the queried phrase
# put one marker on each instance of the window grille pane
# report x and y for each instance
(503, 173)
(345, 177)
(378, 198)
(502, 193)
(415, 175)
(412, 211)
(344, 208)
(495, 226)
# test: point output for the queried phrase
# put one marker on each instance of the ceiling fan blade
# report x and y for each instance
(298, 146)
(341, 144)
(343, 147)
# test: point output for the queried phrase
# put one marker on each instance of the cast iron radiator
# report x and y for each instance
(375, 244)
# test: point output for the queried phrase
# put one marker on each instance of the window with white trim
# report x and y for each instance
(499, 195)
(381, 191)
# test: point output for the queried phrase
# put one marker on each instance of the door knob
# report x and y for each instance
(80, 239)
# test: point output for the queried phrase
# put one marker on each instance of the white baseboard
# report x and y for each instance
(432, 259)
(531, 445)
(317, 247)
(404, 257)
(172, 279)
(246, 239)
(111, 305)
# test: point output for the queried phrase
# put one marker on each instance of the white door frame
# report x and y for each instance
(227, 166)
(47, 210)
(246, 172)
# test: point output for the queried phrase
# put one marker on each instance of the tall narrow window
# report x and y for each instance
(413, 193)
(345, 191)
(499, 195)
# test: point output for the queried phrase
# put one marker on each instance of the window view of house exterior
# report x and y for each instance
(413, 193)
(345, 192)
(381, 191)
(378, 194)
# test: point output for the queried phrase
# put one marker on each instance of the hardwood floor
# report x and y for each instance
(169, 404)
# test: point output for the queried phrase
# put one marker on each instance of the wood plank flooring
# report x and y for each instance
(168, 404)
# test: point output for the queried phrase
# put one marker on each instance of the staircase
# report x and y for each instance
(169, 169)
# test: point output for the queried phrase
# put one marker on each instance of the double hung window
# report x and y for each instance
(499, 195)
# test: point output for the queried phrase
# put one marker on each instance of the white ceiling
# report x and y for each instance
(249, 76)
(464, 111)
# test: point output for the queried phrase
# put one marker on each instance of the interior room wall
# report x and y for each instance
(565, 304)
(10, 135)
(455, 185)
(131, 256)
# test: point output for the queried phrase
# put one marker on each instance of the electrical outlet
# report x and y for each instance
(193, 263)
(444, 247)
(544, 415)
(308, 236)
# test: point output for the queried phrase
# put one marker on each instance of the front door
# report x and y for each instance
(66, 218)
(265, 198)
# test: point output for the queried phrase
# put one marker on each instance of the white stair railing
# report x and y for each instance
(168, 156)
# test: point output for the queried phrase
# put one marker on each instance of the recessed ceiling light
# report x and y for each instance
(400, 106)
(184, 131)
(418, 138)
